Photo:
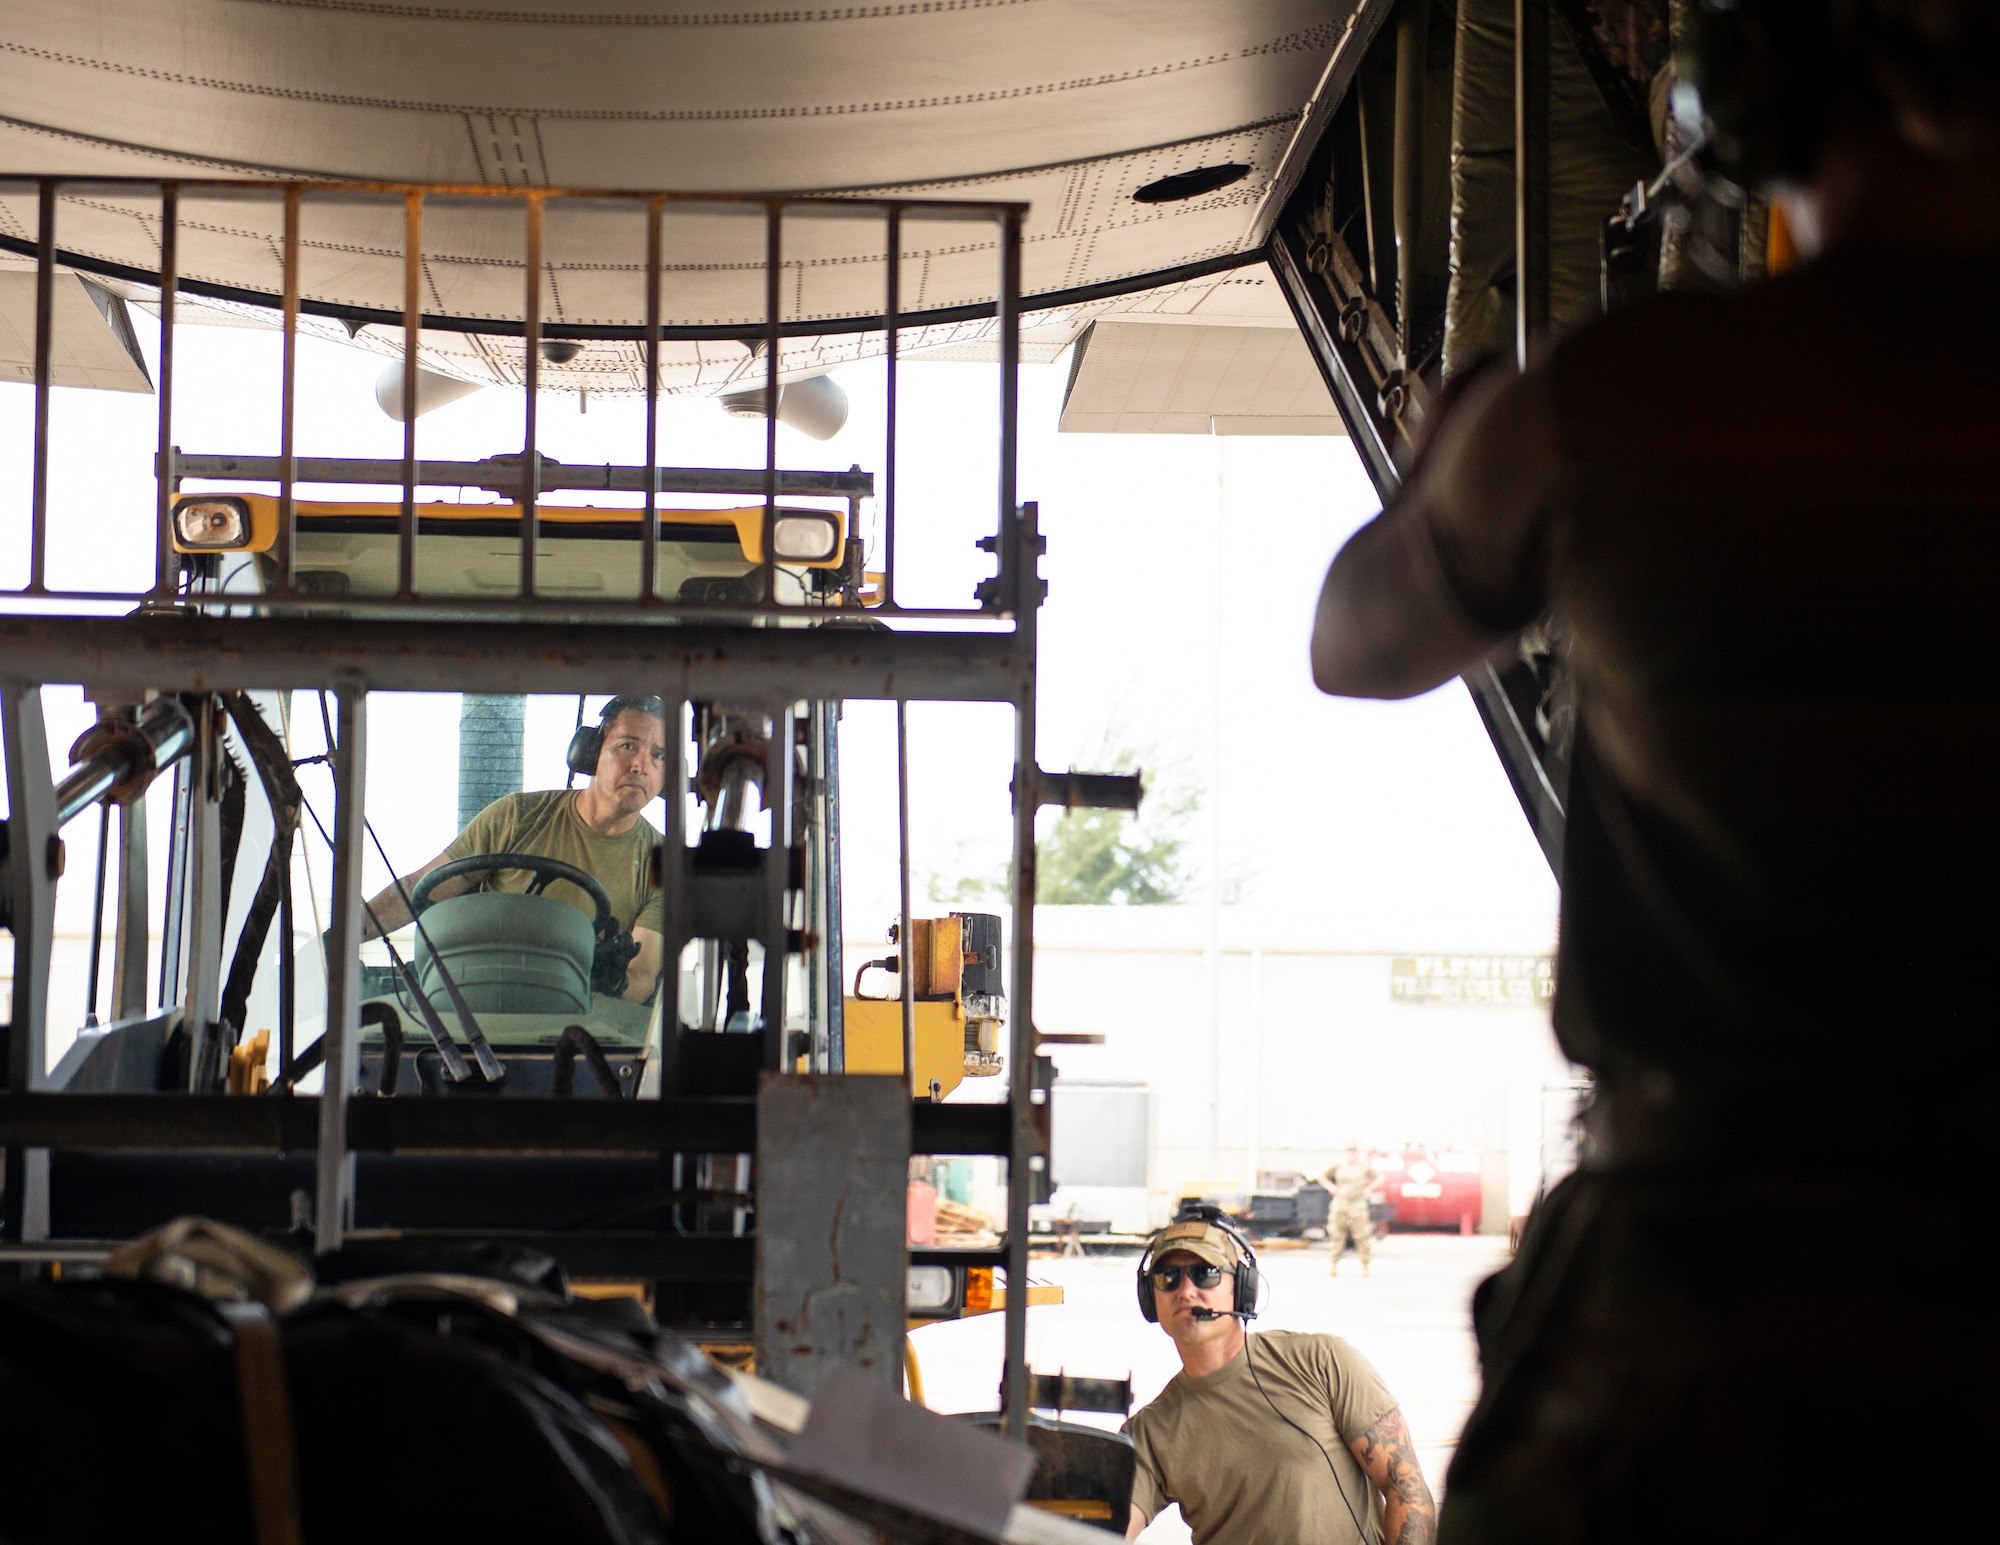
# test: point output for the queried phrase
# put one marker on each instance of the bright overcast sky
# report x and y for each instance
(1332, 811)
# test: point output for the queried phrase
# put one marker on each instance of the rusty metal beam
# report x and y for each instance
(289, 1124)
(1351, 340)
(833, 1156)
(136, 654)
(503, 475)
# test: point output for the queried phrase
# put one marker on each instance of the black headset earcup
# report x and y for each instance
(584, 746)
(1249, 1287)
(1146, 1310)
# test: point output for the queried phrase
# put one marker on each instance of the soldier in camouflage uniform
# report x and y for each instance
(1347, 1218)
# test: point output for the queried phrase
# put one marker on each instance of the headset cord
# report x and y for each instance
(1360, 1532)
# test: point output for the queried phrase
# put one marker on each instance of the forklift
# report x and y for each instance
(728, 1166)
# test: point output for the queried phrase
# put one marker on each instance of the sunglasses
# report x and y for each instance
(1168, 1278)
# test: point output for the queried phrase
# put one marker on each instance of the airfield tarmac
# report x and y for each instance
(1411, 1318)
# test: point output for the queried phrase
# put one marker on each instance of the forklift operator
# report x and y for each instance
(598, 828)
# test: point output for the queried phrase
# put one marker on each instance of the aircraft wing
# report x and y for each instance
(1069, 106)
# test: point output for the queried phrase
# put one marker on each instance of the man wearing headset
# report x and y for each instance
(598, 828)
(1280, 1436)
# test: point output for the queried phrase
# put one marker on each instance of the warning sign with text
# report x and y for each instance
(1495, 981)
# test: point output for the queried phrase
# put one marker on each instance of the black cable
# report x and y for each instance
(482, 1051)
(1214, 1216)
(288, 968)
(380, 932)
(737, 1001)
(1332, 1469)
(306, 805)
(97, 917)
(313, 1055)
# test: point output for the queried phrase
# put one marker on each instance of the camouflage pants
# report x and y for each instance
(1350, 1221)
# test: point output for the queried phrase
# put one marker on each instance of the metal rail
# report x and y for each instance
(356, 316)
(654, 1257)
(502, 475)
(1350, 339)
(211, 654)
(1531, 179)
(277, 1124)
(1019, 545)
(1364, 356)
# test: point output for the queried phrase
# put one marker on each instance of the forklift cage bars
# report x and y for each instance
(543, 645)
(535, 477)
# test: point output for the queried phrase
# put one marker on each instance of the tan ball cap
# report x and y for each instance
(1205, 1241)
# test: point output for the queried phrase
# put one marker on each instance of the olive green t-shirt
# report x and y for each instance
(548, 826)
(1240, 1472)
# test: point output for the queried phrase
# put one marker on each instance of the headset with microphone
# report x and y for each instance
(1249, 1287)
(1249, 1282)
(587, 744)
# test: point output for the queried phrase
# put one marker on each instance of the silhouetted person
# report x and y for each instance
(1772, 524)
(1348, 1181)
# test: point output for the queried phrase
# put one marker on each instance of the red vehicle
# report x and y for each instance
(1425, 1188)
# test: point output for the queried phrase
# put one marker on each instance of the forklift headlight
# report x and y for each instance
(802, 538)
(931, 1290)
(212, 523)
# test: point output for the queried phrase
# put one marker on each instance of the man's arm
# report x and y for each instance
(1390, 1460)
(644, 969)
(490, 831)
(1149, 1493)
(1451, 570)
(387, 910)
(1388, 625)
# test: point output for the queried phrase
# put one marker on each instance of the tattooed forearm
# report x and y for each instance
(1390, 1458)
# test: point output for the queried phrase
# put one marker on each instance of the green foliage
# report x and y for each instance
(1097, 858)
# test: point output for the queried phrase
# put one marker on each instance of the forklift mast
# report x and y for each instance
(738, 1177)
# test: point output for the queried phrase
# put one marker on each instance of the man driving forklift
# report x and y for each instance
(598, 828)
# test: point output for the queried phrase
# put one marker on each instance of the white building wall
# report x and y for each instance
(1309, 1050)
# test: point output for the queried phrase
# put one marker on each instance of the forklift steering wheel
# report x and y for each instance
(545, 871)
